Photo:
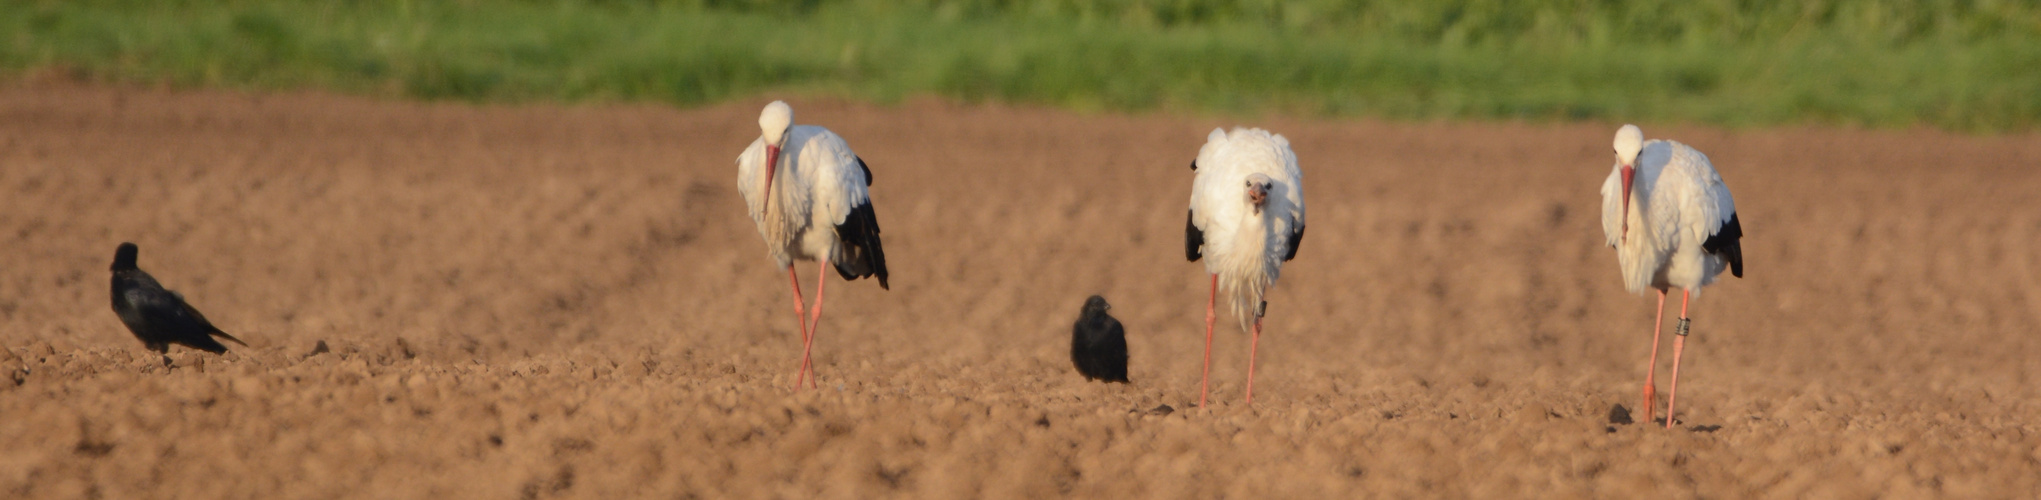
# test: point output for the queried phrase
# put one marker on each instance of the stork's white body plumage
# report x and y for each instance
(808, 194)
(818, 181)
(1246, 245)
(1677, 202)
(1246, 219)
(1673, 224)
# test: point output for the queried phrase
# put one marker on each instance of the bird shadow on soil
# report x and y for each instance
(1619, 415)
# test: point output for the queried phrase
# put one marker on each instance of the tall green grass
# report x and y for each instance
(1967, 65)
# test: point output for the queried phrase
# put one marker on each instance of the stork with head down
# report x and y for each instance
(809, 195)
(1673, 225)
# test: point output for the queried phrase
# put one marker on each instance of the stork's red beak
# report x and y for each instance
(1629, 173)
(772, 165)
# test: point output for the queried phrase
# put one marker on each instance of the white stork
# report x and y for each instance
(1673, 224)
(1246, 219)
(807, 192)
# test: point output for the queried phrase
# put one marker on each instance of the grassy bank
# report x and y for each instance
(1958, 65)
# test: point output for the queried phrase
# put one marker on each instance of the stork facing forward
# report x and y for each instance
(1246, 220)
(1674, 225)
(808, 194)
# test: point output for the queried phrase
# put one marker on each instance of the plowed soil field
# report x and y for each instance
(539, 301)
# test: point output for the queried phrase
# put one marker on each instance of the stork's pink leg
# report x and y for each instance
(800, 321)
(1205, 388)
(1679, 343)
(1651, 370)
(814, 326)
(1251, 346)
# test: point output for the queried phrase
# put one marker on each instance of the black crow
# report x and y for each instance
(1098, 345)
(157, 316)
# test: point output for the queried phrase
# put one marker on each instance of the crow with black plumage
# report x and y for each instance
(1098, 345)
(157, 316)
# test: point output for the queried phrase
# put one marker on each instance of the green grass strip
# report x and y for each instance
(1972, 66)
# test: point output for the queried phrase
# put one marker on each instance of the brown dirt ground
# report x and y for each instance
(545, 301)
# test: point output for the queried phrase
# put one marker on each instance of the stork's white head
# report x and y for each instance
(772, 127)
(773, 122)
(1629, 141)
(1258, 191)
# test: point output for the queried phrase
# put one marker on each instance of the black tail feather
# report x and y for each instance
(1727, 242)
(224, 335)
(867, 170)
(866, 255)
(1296, 239)
(204, 343)
(1193, 238)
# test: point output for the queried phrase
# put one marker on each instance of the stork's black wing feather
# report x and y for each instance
(868, 170)
(1193, 238)
(1727, 242)
(860, 235)
(1296, 238)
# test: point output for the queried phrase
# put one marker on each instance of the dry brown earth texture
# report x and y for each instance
(569, 302)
